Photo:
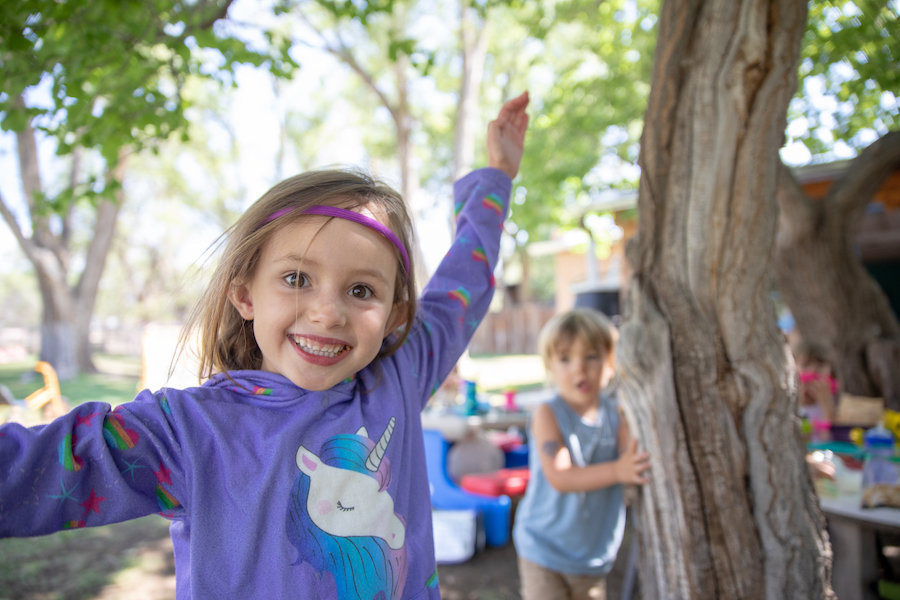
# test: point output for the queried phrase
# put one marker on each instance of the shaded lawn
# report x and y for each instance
(79, 563)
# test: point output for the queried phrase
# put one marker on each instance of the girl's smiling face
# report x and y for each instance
(321, 300)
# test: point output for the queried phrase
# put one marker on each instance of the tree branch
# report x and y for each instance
(866, 174)
(343, 53)
(104, 230)
(797, 212)
(25, 243)
(219, 12)
(66, 234)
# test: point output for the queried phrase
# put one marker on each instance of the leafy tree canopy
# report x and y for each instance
(115, 69)
(587, 120)
(849, 74)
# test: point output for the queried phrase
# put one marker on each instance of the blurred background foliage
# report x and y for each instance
(214, 101)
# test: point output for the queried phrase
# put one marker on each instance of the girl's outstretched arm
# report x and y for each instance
(506, 136)
(556, 462)
(459, 294)
(93, 466)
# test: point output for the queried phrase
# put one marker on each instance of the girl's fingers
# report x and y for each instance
(514, 110)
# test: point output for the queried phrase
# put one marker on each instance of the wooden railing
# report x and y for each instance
(514, 330)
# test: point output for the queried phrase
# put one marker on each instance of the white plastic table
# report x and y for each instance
(855, 566)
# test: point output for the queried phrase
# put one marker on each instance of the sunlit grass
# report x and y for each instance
(113, 388)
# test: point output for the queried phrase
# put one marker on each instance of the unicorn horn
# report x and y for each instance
(375, 456)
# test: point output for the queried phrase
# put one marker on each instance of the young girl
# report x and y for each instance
(297, 470)
(569, 525)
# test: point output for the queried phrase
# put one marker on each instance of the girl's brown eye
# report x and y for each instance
(361, 291)
(296, 279)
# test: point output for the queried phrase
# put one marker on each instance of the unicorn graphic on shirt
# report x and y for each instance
(342, 520)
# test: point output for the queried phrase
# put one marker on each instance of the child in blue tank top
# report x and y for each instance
(570, 523)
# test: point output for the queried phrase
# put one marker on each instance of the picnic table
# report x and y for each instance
(854, 542)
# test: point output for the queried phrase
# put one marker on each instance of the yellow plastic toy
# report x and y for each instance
(49, 398)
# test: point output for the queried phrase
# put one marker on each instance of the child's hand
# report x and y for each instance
(506, 136)
(823, 468)
(630, 467)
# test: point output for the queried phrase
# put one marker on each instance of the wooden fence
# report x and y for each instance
(514, 330)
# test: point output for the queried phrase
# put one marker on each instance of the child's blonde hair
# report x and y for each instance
(591, 326)
(226, 340)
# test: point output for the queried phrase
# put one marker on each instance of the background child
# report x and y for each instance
(570, 523)
(297, 469)
(818, 387)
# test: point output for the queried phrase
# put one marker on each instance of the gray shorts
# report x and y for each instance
(540, 583)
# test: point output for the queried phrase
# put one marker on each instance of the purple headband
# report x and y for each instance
(349, 215)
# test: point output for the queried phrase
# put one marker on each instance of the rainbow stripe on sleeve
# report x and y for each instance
(117, 435)
(67, 457)
(165, 500)
(494, 203)
(462, 295)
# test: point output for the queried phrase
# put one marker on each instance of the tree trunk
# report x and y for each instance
(730, 511)
(403, 121)
(67, 310)
(58, 339)
(473, 50)
(835, 303)
(50, 260)
(95, 261)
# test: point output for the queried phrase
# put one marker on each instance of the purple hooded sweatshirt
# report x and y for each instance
(274, 491)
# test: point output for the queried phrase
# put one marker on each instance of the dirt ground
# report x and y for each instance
(493, 574)
(134, 561)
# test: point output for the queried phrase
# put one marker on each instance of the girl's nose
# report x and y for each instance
(327, 309)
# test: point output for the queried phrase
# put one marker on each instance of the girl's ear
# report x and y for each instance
(240, 297)
(396, 318)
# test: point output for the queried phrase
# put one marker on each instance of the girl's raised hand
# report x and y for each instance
(506, 136)
(631, 466)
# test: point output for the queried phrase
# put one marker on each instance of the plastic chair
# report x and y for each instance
(446, 495)
(49, 398)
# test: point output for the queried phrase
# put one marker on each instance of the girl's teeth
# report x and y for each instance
(329, 351)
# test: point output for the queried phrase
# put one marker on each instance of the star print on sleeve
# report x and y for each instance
(163, 474)
(85, 420)
(132, 467)
(65, 495)
(92, 504)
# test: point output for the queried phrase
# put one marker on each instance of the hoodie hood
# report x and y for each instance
(264, 387)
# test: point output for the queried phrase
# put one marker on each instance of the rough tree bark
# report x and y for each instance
(67, 308)
(730, 511)
(835, 303)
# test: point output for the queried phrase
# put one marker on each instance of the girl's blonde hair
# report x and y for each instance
(591, 326)
(225, 340)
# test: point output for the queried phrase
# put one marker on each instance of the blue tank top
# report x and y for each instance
(577, 533)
